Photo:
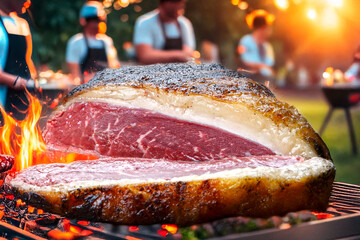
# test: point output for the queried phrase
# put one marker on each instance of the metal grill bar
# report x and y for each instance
(345, 198)
(16, 232)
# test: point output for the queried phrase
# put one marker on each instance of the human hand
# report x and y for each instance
(19, 84)
(183, 55)
(267, 71)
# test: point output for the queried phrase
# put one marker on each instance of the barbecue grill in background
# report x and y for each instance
(339, 97)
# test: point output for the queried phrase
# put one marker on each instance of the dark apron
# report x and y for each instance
(172, 43)
(95, 60)
(16, 101)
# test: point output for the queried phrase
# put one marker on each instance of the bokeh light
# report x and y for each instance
(235, 2)
(137, 8)
(329, 18)
(243, 5)
(311, 14)
(282, 5)
(335, 3)
(124, 18)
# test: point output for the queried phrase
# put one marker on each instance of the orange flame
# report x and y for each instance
(171, 228)
(24, 141)
(22, 138)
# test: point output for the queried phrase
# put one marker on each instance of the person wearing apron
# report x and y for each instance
(15, 70)
(164, 35)
(95, 60)
(92, 50)
(255, 52)
(174, 43)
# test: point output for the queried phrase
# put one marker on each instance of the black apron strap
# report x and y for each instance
(172, 43)
(95, 59)
(2, 22)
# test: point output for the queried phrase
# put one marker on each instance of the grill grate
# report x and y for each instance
(345, 198)
(344, 205)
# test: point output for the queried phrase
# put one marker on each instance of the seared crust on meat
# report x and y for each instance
(210, 80)
(186, 202)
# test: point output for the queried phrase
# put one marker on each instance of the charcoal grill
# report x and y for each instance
(344, 209)
(339, 97)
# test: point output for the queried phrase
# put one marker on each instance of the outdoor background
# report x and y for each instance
(311, 35)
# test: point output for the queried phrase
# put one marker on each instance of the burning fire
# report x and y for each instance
(24, 141)
(23, 138)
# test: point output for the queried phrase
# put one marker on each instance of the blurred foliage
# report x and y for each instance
(305, 41)
(54, 22)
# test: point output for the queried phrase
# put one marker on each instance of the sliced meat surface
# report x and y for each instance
(103, 170)
(118, 131)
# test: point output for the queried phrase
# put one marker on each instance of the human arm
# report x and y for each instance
(111, 53)
(146, 54)
(12, 81)
(75, 73)
(144, 42)
(74, 53)
(249, 55)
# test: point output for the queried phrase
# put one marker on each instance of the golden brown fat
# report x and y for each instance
(186, 203)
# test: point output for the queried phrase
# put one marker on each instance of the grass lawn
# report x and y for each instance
(335, 135)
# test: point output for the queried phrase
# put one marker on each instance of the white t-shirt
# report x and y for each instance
(148, 31)
(76, 49)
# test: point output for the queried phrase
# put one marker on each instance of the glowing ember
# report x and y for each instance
(132, 238)
(24, 141)
(162, 232)
(321, 215)
(170, 228)
(133, 228)
(84, 223)
(31, 209)
(57, 234)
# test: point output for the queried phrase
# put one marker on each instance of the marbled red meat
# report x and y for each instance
(117, 131)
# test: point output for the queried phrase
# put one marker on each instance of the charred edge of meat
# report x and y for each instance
(186, 203)
(186, 78)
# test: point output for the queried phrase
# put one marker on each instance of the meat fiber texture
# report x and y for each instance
(183, 112)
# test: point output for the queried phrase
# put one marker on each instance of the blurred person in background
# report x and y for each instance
(256, 53)
(164, 35)
(16, 67)
(92, 50)
(209, 52)
(352, 74)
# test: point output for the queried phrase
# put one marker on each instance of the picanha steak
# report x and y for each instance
(173, 132)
